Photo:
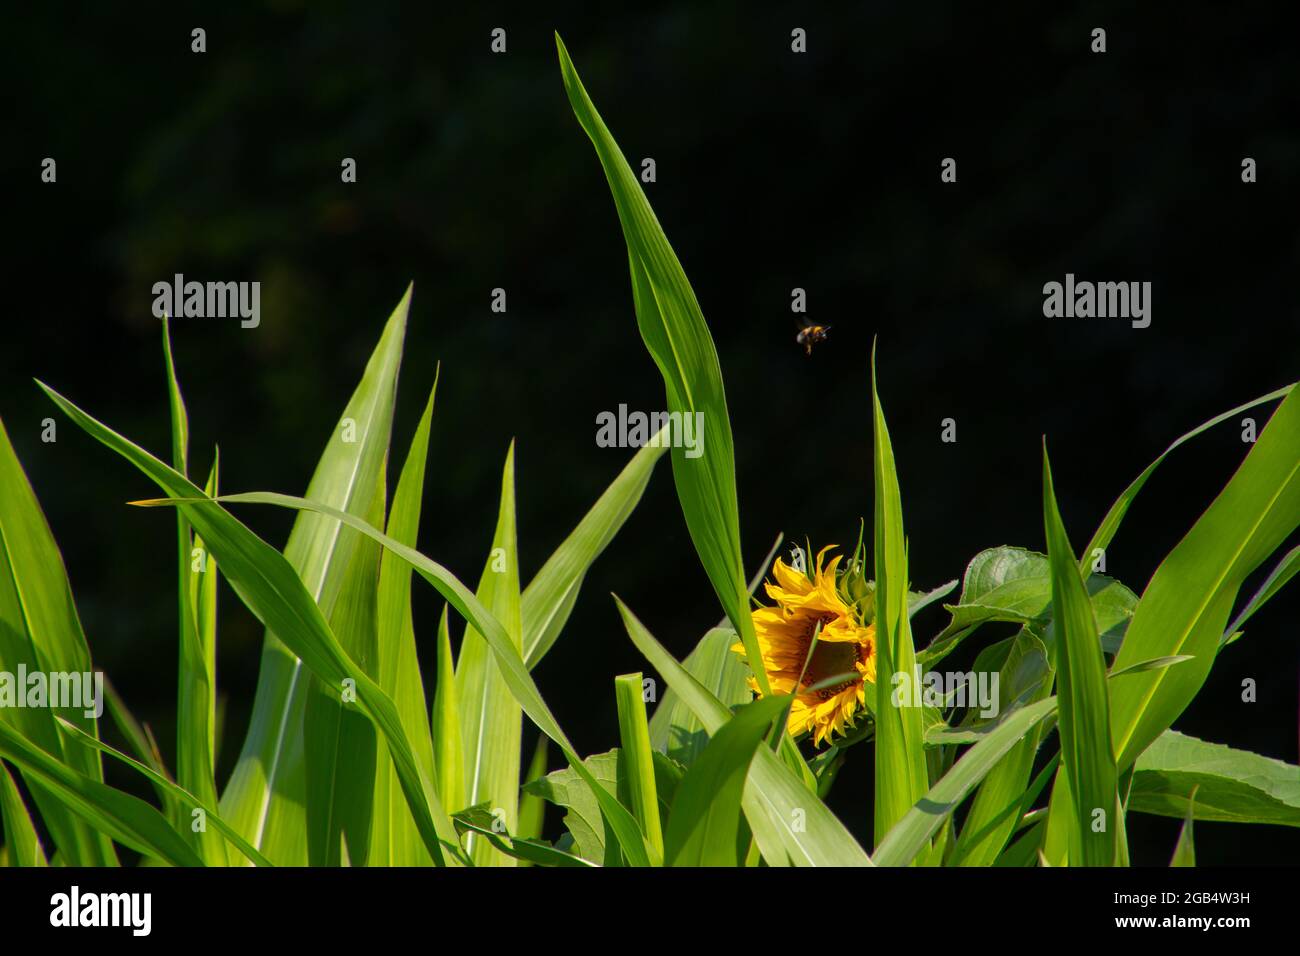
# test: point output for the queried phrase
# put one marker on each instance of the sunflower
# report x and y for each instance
(845, 645)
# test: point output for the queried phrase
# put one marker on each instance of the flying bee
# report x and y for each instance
(810, 335)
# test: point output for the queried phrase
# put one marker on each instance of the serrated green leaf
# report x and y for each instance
(1231, 785)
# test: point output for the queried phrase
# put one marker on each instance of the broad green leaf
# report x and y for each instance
(582, 818)
(704, 826)
(1231, 785)
(395, 840)
(506, 653)
(1014, 585)
(1083, 715)
(901, 775)
(271, 588)
(21, 841)
(1110, 524)
(674, 331)
(490, 718)
(266, 795)
(122, 817)
(1185, 607)
(40, 631)
(790, 823)
(908, 838)
(549, 598)
(189, 801)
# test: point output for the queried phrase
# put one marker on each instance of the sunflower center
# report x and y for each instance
(829, 659)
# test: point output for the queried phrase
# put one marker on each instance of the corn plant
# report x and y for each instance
(353, 758)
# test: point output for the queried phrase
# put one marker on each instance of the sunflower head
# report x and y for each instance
(842, 602)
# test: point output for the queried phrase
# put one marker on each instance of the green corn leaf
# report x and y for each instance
(21, 841)
(189, 801)
(194, 681)
(1084, 714)
(1230, 785)
(1025, 850)
(1186, 605)
(340, 748)
(673, 328)
(524, 851)
(40, 631)
(1110, 524)
(490, 718)
(901, 774)
(532, 808)
(266, 796)
(270, 587)
(674, 729)
(120, 816)
(550, 596)
(705, 823)
(634, 732)
(908, 838)
(139, 738)
(790, 823)
(1285, 570)
(449, 750)
(994, 812)
(395, 840)
(506, 652)
(1185, 850)
(198, 674)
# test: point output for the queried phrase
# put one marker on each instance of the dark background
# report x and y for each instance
(775, 170)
